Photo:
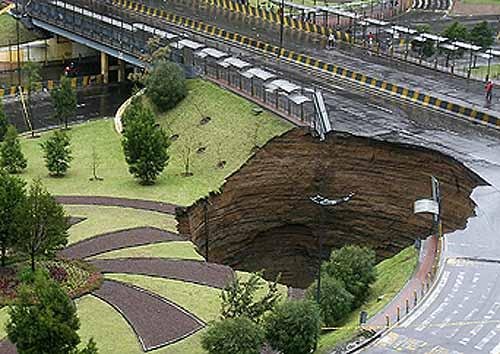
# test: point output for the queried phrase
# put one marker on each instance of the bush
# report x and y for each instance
(166, 85)
(11, 156)
(355, 266)
(293, 327)
(57, 153)
(335, 301)
(233, 336)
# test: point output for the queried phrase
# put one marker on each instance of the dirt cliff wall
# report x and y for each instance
(263, 218)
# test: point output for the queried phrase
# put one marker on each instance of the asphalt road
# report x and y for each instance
(93, 103)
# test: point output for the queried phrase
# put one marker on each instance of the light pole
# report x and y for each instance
(282, 23)
(325, 202)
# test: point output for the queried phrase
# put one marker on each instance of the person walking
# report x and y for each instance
(489, 91)
(331, 40)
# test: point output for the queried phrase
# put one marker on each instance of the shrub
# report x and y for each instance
(166, 85)
(11, 156)
(335, 301)
(293, 327)
(57, 153)
(233, 336)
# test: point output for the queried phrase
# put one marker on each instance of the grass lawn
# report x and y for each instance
(8, 30)
(4, 318)
(175, 249)
(393, 273)
(101, 219)
(483, 70)
(228, 136)
(487, 2)
(203, 301)
(113, 334)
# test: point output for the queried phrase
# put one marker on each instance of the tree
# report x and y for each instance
(96, 162)
(335, 301)
(239, 299)
(426, 48)
(11, 156)
(44, 320)
(166, 85)
(12, 196)
(233, 336)
(33, 80)
(65, 100)
(57, 153)
(482, 34)
(189, 145)
(355, 266)
(293, 327)
(4, 124)
(456, 32)
(41, 223)
(145, 145)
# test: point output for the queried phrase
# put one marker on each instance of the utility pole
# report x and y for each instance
(18, 46)
(325, 202)
(282, 24)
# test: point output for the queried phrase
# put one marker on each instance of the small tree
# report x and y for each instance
(96, 162)
(335, 301)
(482, 34)
(41, 223)
(355, 266)
(166, 85)
(239, 299)
(12, 196)
(456, 31)
(293, 327)
(4, 124)
(44, 321)
(145, 145)
(57, 153)
(11, 156)
(65, 101)
(233, 335)
(188, 147)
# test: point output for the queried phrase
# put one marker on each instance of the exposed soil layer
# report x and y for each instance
(149, 205)
(262, 218)
(155, 320)
(117, 240)
(210, 274)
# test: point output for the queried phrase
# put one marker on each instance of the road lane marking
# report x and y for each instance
(485, 340)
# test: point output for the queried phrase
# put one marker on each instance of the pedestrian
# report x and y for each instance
(331, 40)
(489, 91)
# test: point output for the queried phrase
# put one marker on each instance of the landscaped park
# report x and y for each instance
(138, 284)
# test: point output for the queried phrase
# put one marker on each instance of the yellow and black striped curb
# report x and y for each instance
(49, 85)
(381, 86)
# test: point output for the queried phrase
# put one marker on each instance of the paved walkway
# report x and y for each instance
(417, 283)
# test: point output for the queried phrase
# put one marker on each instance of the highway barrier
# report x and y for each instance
(381, 86)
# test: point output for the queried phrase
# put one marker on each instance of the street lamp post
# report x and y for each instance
(325, 202)
(282, 23)
(489, 65)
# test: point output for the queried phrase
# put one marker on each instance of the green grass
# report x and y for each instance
(113, 334)
(4, 318)
(177, 249)
(203, 301)
(101, 219)
(229, 137)
(282, 289)
(8, 30)
(482, 2)
(393, 273)
(482, 71)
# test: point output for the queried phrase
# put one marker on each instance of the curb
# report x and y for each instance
(119, 113)
(409, 95)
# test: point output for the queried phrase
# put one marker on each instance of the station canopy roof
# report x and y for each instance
(404, 29)
(448, 46)
(258, 73)
(188, 44)
(234, 62)
(420, 39)
(283, 85)
(376, 22)
(485, 55)
(467, 46)
(434, 37)
(298, 98)
(306, 9)
(339, 12)
(493, 52)
(212, 53)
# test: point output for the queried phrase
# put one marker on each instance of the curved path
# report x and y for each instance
(116, 240)
(149, 205)
(203, 273)
(155, 320)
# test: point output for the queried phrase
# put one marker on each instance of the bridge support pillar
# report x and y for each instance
(105, 68)
(121, 71)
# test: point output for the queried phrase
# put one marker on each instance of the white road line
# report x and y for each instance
(485, 340)
(496, 350)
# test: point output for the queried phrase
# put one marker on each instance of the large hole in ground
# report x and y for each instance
(262, 218)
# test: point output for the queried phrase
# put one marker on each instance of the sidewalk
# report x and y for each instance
(419, 284)
(440, 85)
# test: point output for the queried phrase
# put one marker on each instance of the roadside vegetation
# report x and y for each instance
(8, 30)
